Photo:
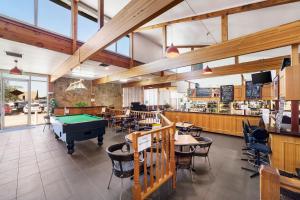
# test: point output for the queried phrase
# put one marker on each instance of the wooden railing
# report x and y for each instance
(271, 182)
(143, 114)
(158, 164)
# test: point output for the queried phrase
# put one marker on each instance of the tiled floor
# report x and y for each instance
(35, 166)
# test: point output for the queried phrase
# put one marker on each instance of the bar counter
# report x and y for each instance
(229, 124)
(285, 146)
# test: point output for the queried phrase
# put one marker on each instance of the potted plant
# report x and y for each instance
(81, 104)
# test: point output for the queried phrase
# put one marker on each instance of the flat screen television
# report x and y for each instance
(262, 78)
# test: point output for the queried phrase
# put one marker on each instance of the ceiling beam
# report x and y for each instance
(101, 13)
(240, 68)
(133, 15)
(74, 10)
(271, 38)
(224, 28)
(229, 11)
(19, 32)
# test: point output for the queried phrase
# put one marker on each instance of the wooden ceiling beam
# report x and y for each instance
(229, 11)
(19, 32)
(240, 68)
(271, 38)
(133, 15)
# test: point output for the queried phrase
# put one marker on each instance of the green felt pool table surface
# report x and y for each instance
(71, 119)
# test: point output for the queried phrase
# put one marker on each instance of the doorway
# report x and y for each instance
(23, 100)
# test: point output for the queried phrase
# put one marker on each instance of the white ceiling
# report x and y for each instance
(43, 61)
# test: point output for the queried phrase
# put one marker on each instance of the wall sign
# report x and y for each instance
(227, 93)
(144, 142)
(253, 91)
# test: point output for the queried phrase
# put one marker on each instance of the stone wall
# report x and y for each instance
(109, 94)
(105, 95)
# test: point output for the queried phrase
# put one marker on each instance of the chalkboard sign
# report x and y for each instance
(253, 91)
(227, 94)
(203, 92)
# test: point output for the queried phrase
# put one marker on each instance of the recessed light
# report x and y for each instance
(14, 54)
(123, 80)
(103, 65)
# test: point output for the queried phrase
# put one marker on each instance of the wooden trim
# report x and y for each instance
(19, 32)
(271, 38)
(229, 11)
(224, 27)
(74, 11)
(246, 67)
(101, 13)
(192, 46)
(132, 16)
(131, 37)
(295, 103)
(164, 40)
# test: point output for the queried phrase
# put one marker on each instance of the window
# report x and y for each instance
(112, 47)
(133, 94)
(54, 17)
(20, 10)
(182, 69)
(86, 28)
(123, 46)
(150, 97)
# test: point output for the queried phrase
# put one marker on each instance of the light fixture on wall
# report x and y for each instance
(172, 51)
(15, 70)
(207, 70)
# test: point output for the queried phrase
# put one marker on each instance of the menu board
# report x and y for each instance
(227, 93)
(253, 91)
(203, 92)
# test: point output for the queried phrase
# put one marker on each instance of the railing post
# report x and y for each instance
(269, 183)
(172, 154)
(136, 185)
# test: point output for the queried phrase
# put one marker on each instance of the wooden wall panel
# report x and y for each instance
(285, 152)
(218, 123)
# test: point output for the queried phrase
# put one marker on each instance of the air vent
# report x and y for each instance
(9, 53)
(103, 65)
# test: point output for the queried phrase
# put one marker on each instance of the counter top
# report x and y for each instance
(283, 132)
(213, 113)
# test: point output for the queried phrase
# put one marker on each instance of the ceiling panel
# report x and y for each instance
(35, 59)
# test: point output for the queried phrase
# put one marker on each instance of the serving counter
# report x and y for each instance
(229, 124)
(285, 147)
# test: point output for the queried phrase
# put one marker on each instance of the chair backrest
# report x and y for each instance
(195, 131)
(205, 143)
(184, 159)
(245, 132)
(260, 135)
(123, 161)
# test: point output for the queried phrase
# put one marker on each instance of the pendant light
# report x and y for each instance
(172, 51)
(15, 70)
(207, 70)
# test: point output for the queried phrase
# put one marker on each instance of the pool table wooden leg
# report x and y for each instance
(70, 146)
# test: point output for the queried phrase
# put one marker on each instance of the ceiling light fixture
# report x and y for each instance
(15, 70)
(78, 85)
(207, 70)
(106, 68)
(172, 51)
(123, 80)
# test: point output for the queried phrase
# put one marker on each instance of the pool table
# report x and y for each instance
(70, 128)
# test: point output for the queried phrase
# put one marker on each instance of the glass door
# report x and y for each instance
(16, 102)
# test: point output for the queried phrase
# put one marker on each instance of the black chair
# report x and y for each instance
(258, 144)
(122, 162)
(47, 122)
(184, 159)
(202, 149)
(195, 131)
